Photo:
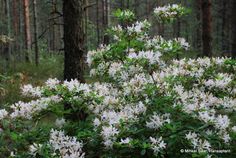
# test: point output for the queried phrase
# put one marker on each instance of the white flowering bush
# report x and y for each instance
(144, 103)
(170, 12)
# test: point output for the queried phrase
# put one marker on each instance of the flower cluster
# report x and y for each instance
(28, 110)
(3, 114)
(157, 121)
(150, 56)
(124, 15)
(166, 46)
(170, 12)
(138, 27)
(34, 149)
(68, 147)
(29, 90)
(157, 144)
(198, 143)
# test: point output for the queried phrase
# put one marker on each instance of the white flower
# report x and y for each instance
(156, 121)
(140, 108)
(117, 28)
(13, 154)
(92, 72)
(168, 12)
(67, 146)
(226, 137)
(35, 148)
(125, 141)
(197, 142)
(71, 85)
(138, 27)
(157, 144)
(183, 43)
(109, 135)
(52, 83)
(3, 114)
(96, 122)
(222, 122)
(108, 143)
(191, 135)
(114, 68)
(27, 110)
(29, 90)
(127, 13)
(111, 117)
(60, 122)
(234, 128)
(109, 131)
(206, 116)
(152, 57)
(90, 56)
(108, 100)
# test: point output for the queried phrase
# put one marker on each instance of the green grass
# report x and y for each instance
(28, 73)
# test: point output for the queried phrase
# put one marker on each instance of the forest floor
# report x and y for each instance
(27, 73)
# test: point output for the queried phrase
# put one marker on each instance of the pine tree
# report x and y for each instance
(206, 28)
(27, 29)
(73, 39)
(233, 27)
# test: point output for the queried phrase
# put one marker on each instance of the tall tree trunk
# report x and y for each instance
(21, 30)
(105, 22)
(73, 39)
(55, 21)
(86, 23)
(233, 27)
(27, 29)
(8, 45)
(15, 17)
(206, 28)
(74, 47)
(36, 33)
(97, 23)
(198, 4)
(127, 4)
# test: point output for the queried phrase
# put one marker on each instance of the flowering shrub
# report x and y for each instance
(144, 104)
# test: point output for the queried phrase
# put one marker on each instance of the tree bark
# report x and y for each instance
(233, 27)
(206, 28)
(86, 23)
(74, 48)
(223, 11)
(8, 45)
(73, 39)
(27, 29)
(15, 18)
(127, 4)
(36, 33)
(97, 23)
(199, 26)
(54, 21)
(105, 22)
